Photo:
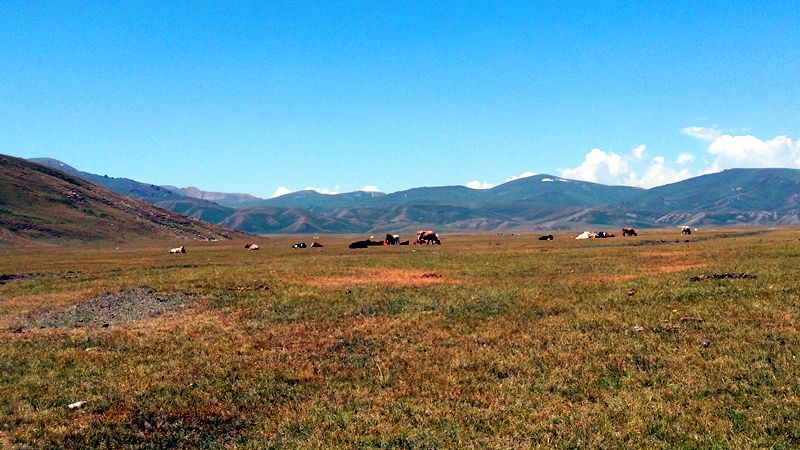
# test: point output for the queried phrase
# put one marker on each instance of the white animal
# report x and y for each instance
(180, 249)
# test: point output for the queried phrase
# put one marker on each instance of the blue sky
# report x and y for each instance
(260, 97)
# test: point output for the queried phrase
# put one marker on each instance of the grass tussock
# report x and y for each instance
(486, 341)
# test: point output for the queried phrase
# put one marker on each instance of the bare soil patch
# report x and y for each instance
(664, 241)
(130, 304)
(6, 277)
(722, 276)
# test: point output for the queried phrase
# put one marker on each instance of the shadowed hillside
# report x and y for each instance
(43, 204)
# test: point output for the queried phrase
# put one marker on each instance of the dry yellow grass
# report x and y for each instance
(486, 341)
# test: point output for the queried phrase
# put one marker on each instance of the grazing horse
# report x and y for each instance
(180, 249)
(686, 230)
(629, 232)
(548, 237)
(428, 237)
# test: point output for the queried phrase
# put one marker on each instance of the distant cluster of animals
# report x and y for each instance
(430, 237)
(389, 239)
(426, 237)
(625, 232)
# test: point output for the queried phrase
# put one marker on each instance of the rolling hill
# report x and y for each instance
(731, 197)
(39, 203)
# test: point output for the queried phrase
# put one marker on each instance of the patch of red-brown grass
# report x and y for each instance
(658, 270)
(379, 277)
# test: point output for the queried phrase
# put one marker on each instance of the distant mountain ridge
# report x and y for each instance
(235, 201)
(731, 197)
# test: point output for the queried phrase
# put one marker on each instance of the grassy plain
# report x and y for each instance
(485, 341)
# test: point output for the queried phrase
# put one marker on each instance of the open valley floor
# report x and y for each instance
(488, 340)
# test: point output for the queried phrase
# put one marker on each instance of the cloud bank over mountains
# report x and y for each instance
(636, 168)
(725, 151)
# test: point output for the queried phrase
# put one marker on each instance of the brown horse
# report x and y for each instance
(428, 237)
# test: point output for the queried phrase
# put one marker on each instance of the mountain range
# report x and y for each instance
(540, 202)
(39, 203)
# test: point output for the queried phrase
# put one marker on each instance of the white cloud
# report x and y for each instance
(611, 168)
(280, 191)
(525, 174)
(659, 173)
(323, 190)
(684, 158)
(638, 152)
(750, 151)
(479, 185)
(702, 133)
(370, 188)
(599, 167)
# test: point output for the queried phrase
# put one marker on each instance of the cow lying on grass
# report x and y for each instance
(299, 245)
(180, 249)
(364, 244)
(251, 246)
(548, 237)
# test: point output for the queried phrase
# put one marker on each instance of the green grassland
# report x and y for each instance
(498, 341)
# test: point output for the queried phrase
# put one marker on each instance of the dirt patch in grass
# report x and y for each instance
(130, 304)
(6, 277)
(383, 277)
(664, 241)
(721, 276)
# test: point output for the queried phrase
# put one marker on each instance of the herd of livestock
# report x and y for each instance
(429, 237)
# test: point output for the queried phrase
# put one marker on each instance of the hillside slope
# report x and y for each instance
(123, 186)
(39, 203)
(730, 197)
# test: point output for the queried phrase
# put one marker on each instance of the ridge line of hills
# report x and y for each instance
(731, 197)
(42, 204)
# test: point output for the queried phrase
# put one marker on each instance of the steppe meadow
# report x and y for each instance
(487, 341)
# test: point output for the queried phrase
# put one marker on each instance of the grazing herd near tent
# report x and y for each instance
(625, 232)
(429, 237)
